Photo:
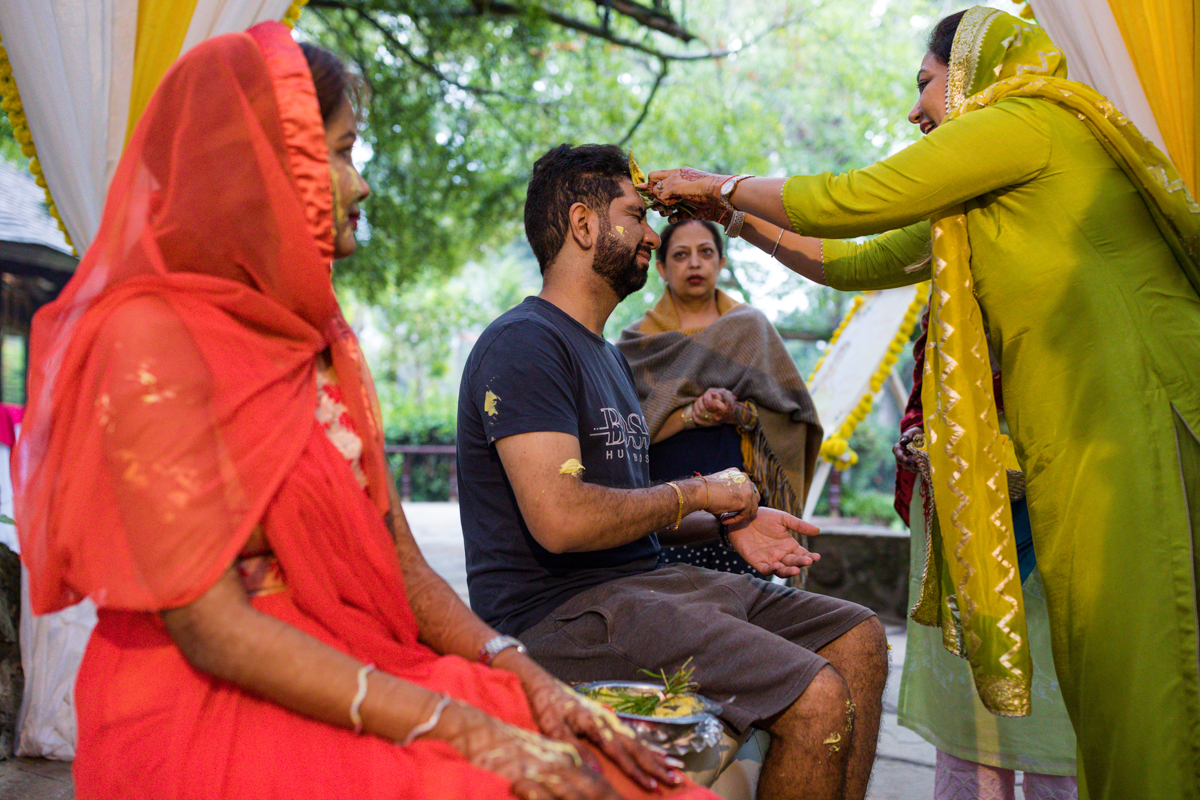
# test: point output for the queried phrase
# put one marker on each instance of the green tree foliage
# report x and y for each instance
(464, 95)
(10, 151)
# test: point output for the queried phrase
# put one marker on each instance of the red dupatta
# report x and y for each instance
(202, 302)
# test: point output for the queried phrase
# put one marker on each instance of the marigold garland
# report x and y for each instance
(836, 449)
(10, 102)
(293, 13)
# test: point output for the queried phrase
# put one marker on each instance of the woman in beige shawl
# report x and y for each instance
(718, 388)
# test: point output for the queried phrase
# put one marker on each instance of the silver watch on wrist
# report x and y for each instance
(495, 645)
(725, 193)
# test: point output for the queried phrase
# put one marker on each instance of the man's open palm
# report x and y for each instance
(768, 542)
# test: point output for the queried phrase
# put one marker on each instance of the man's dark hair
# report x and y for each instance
(590, 174)
(941, 40)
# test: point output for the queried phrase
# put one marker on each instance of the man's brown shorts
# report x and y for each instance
(753, 643)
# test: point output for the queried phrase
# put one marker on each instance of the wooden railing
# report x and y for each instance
(423, 450)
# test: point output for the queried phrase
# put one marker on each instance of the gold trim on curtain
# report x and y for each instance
(1160, 36)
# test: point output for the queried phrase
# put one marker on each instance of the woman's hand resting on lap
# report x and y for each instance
(568, 716)
(540, 768)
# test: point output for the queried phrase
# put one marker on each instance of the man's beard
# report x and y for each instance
(618, 264)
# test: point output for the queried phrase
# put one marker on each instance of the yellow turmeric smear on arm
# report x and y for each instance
(571, 467)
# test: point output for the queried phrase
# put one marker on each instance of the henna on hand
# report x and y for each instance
(564, 714)
(539, 767)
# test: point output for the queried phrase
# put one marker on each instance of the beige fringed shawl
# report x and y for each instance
(743, 353)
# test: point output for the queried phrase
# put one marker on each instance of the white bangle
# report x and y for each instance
(355, 717)
(777, 238)
(429, 724)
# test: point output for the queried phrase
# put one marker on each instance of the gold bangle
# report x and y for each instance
(679, 515)
(706, 494)
(686, 416)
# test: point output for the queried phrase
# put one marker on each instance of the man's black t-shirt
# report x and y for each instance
(537, 369)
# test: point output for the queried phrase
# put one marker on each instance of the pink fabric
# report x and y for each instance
(10, 418)
(958, 779)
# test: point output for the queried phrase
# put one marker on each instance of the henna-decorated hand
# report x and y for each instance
(539, 768)
(768, 542)
(568, 716)
(715, 407)
(731, 492)
(698, 190)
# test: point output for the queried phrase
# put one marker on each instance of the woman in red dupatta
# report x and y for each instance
(202, 457)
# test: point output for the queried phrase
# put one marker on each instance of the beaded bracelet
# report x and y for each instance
(723, 535)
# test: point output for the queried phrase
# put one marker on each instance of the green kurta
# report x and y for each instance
(1097, 331)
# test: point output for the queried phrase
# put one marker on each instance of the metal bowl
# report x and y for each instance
(678, 735)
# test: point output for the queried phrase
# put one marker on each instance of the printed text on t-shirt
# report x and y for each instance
(625, 437)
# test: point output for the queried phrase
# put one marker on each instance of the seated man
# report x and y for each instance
(562, 526)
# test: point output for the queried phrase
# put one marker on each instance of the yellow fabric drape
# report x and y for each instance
(162, 26)
(1161, 36)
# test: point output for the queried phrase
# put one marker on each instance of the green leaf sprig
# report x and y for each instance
(675, 685)
(638, 177)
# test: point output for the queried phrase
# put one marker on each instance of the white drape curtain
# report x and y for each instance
(73, 63)
(62, 59)
(214, 17)
(1096, 55)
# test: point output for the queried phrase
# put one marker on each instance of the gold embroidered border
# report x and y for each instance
(964, 53)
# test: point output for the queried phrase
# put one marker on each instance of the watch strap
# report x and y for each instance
(725, 193)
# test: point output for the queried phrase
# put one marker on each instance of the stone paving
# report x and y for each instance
(903, 770)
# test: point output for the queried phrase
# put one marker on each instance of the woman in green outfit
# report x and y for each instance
(1035, 206)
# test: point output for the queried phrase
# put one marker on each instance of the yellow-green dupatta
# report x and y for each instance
(971, 588)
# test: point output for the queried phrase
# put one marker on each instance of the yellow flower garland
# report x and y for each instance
(836, 449)
(10, 102)
(293, 13)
